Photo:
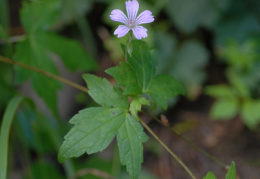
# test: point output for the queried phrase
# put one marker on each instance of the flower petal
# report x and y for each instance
(139, 32)
(132, 8)
(121, 31)
(145, 17)
(119, 16)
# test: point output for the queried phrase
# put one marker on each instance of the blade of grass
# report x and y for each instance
(4, 133)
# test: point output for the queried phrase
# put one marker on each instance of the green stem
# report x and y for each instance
(168, 149)
(70, 83)
(129, 46)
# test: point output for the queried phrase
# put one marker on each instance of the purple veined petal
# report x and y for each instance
(121, 31)
(132, 8)
(145, 17)
(119, 16)
(139, 32)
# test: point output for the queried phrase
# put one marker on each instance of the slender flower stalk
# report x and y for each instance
(131, 21)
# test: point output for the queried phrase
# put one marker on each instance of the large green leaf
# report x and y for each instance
(138, 76)
(34, 54)
(125, 76)
(70, 51)
(130, 138)
(93, 131)
(231, 172)
(103, 93)
(36, 51)
(39, 16)
(164, 87)
(142, 63)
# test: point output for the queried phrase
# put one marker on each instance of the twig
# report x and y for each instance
(167, 148)
(70, 83)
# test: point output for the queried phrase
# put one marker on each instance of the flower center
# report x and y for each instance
(131, 23)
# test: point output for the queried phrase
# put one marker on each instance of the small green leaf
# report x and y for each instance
(136, 105)
(224, 109)
(103, 93)
(93, 131)
(220, 91)
(210, 175)
(125, 76)
(164, 87)
(251, 113)
(239, 85)
(142, 63)
(130, 138)
(232, 172)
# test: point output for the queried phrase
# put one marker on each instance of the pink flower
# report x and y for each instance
(130, 21)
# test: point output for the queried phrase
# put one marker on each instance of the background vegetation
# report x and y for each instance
(210, 46)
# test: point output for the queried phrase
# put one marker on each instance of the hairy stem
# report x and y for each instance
(51, 75)
(168, 149)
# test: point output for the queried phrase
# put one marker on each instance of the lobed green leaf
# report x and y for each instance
(93, 131)
(163, 87)
(103, 92)
(142, 63)
(130, 138)
(125, 76)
